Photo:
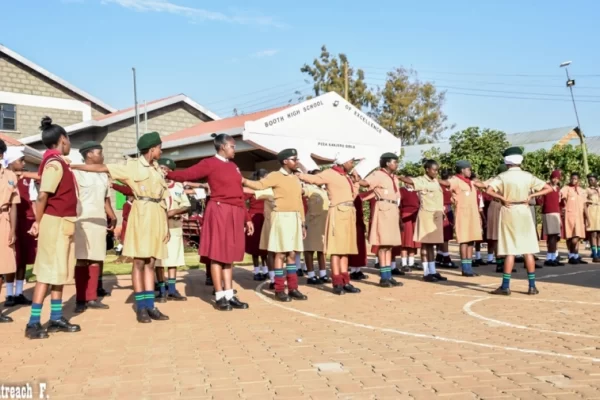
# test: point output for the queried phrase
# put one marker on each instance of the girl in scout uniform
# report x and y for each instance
(178, 204)
(593, 215)
(54, 226)
(574, 199)
(147, 225)
(9, 198)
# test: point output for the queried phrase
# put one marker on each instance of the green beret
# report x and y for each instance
(502, 168)
(148, 141)
(513, 151)
(87, 146)
(167, 162)
(287, 153)
(391, 156)
(462, 164)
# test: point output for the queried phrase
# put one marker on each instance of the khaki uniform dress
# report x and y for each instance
(340, 231)
(316, 218)
(55, 259)
(492, 217)
(517, 234)
(175, 251)
(574, 199)
(287, 218)
(593, 209)
(467, 218)
(268, 196)
(9, 197)
(147, 223)
(90, 228)
(385, 220)
(429, 228)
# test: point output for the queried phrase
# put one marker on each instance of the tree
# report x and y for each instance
(328, 75)
(411, 109)
(567, 158)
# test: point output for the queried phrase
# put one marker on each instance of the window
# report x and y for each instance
(8, 117)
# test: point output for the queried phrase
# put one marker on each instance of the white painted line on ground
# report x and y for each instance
(421, 335)
(468, 310)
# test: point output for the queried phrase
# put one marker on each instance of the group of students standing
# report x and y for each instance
(302, 212)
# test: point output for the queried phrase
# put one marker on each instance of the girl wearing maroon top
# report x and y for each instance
(443, 255)
(256, 209)
(222, 238)
(409, 208)
(551, 220)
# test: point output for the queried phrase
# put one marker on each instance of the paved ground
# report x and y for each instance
(420, 341)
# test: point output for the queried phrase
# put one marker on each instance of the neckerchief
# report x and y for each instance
(575, 187)
(341, 171)
(392, 178)
(464, 179)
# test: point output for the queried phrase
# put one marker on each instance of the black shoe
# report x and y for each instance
(102, 293)
(361, 275)
(282, 296)
(300, 272)
(223, 305)
(430, 278)
(208, 281)
(397, 272)
(271, 286)
(439, 277)
(501, 292)
(176, 297)
(533, 291)
(235, 303)
(313, 281)
(264, 277)
(386, 283)
(22, 300)
(596, 260)
(406, 269)
(62, 325)
(439, 258)
(5, 319)
(351, 289)
(396, 283)
(156, 287)
(156, 315)
(478, 262)
(142, 316)
(339, 290)
(354, 276)
(377, 266)
(258, 277)
(325, 279)
(470, 274)
(296, 295)
(581, 261)
(537, 266)
(97, 305)
(161, 298)
(550, 263)
(573, 261)
(499, 269)
(10, 301)
(35, 331)
(79, 307)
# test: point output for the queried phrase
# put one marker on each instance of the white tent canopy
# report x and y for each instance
(321, 128)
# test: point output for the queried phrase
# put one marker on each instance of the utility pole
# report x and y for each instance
(570, 84)
(137, 117)
(346, 80)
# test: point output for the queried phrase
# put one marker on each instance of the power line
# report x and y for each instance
(252, 93)
(485, 74)
(270, 102)
(519, 98)
(252, 102)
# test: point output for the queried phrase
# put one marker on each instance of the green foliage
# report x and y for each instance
(567, 158)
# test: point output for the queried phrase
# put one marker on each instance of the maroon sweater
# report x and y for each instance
(25, 207)
(62, 203)
(550, 203)
(409, 201)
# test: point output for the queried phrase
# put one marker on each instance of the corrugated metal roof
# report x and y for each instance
(546, 135)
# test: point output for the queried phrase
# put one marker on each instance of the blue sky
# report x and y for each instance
(498, 59)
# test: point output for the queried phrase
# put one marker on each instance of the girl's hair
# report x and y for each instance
(51, 133)
(445, 174)
(220, 140)
(2, 147)
(259, 174)
(429, 163)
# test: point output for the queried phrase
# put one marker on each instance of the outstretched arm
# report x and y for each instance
(406, 179)
(99, 168)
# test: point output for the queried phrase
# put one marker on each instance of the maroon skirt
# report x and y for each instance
(252, 242)
(222, 238)
(26, 245)
(123, 230)
(360, 259)
(449, 224)
(408, 229)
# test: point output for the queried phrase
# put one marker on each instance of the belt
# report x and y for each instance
(346, 203)
(388, 201)
(149, 199)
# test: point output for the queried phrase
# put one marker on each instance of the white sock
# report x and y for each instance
(411, 261)
(491, 257)
(229, 294)
(555, 255)
(393, 266)
(323, 273)
(264, 270)
(446, 254)
(552, 256)
(352, 269)
(425, 269)
(220, 295)
(256, 270)
(431, 266)
(376, 260)
(404, 261)
(19, 288)
(311, 274)
(549, 256)
(9, 289)
(478, 255)
(272, 276)
(298, 262)
(571, 255)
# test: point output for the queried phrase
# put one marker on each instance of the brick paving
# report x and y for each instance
(413, 342)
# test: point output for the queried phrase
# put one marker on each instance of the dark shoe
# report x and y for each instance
(4, 319)
(296, 295)
(156, 287)
(79, 307)
(176, 297)
(62, 325)
(339, 290)
(430, 278)
(519, 259)
(258, 277)
(161, 298)
(235, 303)
(156, 315)
(478, 262)
(142, 316)
(581, 261)
(300, 272)
(573, 261)
(354, 276)
(439, 277)
(282, 296)
(377, 266)
(558, 263)
(448, 263)
(596, 260)
(271, 286)
(470, 274)
(223, 305)
(396, 283)
(10, 301)
(102, 293)
(439, 258)
(533, 291)
(406, 269)
(264, 277)
(351, 289)
(208, 281)
(313, 281)
(35, 331)
(325, 279)
(386, 283)
(501, 292)
(360, 275)
(550, 263)
(499, 269)
(97, 305)
(537, 266)
(397, 272)
(22, 300)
